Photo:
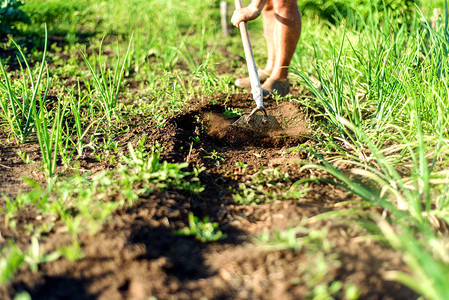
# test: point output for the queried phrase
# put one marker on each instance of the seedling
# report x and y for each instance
(34, 255)
(50, 140)
(204, 231)
(214, 156)
(10, 261)
(232, 112)
(25, 157)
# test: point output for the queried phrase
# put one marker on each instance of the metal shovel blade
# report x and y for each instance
(259, 123)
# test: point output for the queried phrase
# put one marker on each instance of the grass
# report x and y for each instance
(386, 99)
(267, 185)
(376, 82)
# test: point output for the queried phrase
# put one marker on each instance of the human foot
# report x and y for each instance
(272, 86)
(245, 83)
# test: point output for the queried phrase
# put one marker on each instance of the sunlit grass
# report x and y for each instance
(379, 85)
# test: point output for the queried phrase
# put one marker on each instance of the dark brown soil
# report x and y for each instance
(136, 254)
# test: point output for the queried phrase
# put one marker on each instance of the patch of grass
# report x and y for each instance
(319, 263)
(381, 87)
(267, 185)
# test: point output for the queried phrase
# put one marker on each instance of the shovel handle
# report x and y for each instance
(256, 89)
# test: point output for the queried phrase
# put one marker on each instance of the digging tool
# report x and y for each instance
(252, 121)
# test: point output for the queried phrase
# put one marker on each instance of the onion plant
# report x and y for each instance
(107, 81)
(21, 98)
(80, 130)
(383, 90)
(50, 138)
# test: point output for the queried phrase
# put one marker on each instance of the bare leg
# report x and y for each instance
(286, 32)
(269, 21)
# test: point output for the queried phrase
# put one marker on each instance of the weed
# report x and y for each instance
(33, 257)
(232, 112)
(10, 261)
(204, 231)
(268, 185)
(316, 273)
(215, 157)
(25, 157)
(72, 252)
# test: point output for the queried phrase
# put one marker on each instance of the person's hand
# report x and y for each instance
(245, 14)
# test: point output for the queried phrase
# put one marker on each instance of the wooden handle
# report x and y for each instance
(256, 89)
(238, 4)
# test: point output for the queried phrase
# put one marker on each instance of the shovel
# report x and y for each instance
(252, 121)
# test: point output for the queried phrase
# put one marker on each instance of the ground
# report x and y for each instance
(137, 254)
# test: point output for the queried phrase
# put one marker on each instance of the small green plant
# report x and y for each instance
(34, 256)
(208, 80)
(232, 112)
(50, 139)
(25, 157)
(107, 81)
(22, 296)
(316, 269)
(215, 157)
(280, 240)
(11, 259)
(204, 231)
(72, 252)
(81, 132)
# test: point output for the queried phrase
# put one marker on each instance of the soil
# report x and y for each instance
(136, 254)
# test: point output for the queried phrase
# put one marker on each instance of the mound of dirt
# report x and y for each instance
(293, 128)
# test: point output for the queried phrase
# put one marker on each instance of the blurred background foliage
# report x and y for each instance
(332, 10)
(66, 16)
(11, 14)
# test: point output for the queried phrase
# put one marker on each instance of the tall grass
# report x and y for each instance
(384, 91)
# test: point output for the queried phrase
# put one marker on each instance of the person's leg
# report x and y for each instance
(269, 21)
(286, 32)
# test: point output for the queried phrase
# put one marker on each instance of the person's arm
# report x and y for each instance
(248, 13)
